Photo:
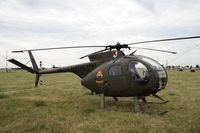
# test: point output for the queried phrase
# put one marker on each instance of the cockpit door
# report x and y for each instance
(116, 78)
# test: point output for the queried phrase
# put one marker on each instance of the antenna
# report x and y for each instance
(166, 63)
(6, 61)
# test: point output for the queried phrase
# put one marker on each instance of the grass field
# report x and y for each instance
(63, 105)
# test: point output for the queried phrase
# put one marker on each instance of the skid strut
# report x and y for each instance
(102, 101)
(136, 107)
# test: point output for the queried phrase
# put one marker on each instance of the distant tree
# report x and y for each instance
(197, 66)
(169, 67)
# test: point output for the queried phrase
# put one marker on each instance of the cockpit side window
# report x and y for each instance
(139, 72)
(115, 70)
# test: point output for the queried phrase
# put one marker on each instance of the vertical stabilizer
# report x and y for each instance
(35, 67)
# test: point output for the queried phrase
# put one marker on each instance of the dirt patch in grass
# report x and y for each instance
(40, 103)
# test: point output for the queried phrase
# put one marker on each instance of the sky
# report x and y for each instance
(27, 24)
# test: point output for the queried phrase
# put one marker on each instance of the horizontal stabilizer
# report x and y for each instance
(22, 65)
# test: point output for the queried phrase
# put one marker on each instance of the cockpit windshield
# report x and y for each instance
(158, 67)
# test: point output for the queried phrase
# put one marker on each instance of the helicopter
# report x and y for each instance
(112, 73)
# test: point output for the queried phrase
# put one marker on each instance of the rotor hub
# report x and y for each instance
(118, 46)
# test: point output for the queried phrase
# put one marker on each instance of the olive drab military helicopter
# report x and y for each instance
(112, 73)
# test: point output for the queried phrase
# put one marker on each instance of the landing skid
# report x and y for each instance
(136, 107)
(115, 98)
(163, 101)
(156, 96)
(150, 113)
(158, 102)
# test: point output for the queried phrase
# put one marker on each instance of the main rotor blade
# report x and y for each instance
(117, 46)
(56, 48)
(164, 40)
(172, 52)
